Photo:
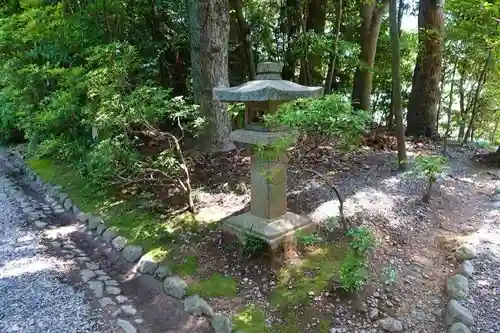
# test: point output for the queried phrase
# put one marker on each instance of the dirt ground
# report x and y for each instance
(415, 239)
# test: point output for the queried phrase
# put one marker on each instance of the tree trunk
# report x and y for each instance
(246, 37)
(333, 55)
(421, 117)
(371, 20)
(494, 134)
(291, 23)
(479, 87)
(448, 110)
(396, 85)
(440, 100)
(311, 73)
(463, 111)
(400, 15)
(209, 26)
(389, 121)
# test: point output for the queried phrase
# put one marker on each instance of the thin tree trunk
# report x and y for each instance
(390, 117)
(209, 24)
(400, 16)
(290, 13)
(422, 108)
(494, 134)
(315, 22)
(396, 85)
(448, 110)
(246, 37)
(480, 85)
(333, 55)
(440, 101)
(463, 111)
(371, 20)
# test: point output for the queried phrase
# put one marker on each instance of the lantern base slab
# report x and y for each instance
(274, 232)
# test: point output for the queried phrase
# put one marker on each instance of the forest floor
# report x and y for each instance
(408, 269)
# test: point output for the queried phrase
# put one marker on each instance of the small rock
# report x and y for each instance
(67, 204)
(119, 243)
(109, 235)
(457, 313)
(106, 301)
(87, 275)
(112, 283)
(132, 253)
(390, 324)
(147, 266)
(55, 244)
(457, 287)
(222, 324)
(459, 328)
(101, 228)
(465, 252)
(197, 306)
(163, 271)
(126, 326)
(373, 314)
(40, 224)
(496, 197)
(466, 268)
(82, 217)
(129, 310)
(94, 222)
(92, 266)
(113, 290)
(175, 286)
(103, 278)
(97, 288)
(121, 299)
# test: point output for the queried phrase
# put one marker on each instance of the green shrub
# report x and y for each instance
(331, 116)
(308, 239)
(362, 240)
(353, 272)
(429, 167)
(353, 269)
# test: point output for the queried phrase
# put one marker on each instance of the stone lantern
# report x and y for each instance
(268, 218)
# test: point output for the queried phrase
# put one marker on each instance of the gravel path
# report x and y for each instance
(35, 295)
(484, 297)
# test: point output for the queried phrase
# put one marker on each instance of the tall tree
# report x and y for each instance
(448, 109)
(371, 13)
(310, 70)
(425, 94)
(333, 55)
(245, 36)
(209, 32)
(396, 85)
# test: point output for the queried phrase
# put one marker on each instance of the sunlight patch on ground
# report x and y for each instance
(370, 199)
(24, 266)
(60, 232)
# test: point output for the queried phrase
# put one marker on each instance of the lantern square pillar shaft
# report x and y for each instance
(268, 180)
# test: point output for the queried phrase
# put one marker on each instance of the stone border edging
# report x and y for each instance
(458, 317)
(172, 285)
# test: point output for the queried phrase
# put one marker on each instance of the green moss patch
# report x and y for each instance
(215, 285)
(250, 320)
(313, 272)
(186, 266)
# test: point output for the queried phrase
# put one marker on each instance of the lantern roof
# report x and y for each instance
(267, 86)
